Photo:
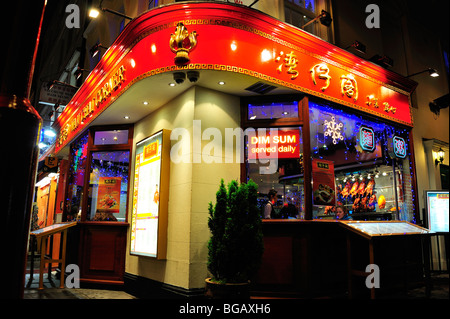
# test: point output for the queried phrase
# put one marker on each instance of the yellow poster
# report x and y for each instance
(109, 194)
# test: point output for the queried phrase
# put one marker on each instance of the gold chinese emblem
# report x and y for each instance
(182, 42)
(321, 70)
(349, 86)
(290, 62)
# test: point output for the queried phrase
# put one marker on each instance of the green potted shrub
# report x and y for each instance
(236, 245)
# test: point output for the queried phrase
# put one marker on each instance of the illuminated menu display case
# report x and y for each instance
(371, 229)
(150, 196)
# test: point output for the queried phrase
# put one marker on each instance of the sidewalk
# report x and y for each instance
(439, 290)
(52, 291)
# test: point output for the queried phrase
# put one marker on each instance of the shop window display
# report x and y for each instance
(108, 184)
(78, 153)
(372, 173)
(282, 172)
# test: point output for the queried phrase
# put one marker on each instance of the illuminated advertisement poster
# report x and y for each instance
(438, 209)
(146, 225)
(109, 194)
(323, 182)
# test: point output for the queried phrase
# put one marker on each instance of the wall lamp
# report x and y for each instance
(432, 72)
(94, 12)
(52, 84)
(439, 157)
(324, 17)
(252, 3)
(79, 72)
(95, 49)
(358, 47)
(383, 61)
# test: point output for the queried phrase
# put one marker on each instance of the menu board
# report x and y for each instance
(323, 182)
(438, 209)
(386, 228)
(146, 226)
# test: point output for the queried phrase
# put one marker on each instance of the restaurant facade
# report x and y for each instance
(192, 93)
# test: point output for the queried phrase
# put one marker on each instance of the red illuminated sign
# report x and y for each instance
(240, 40)
(279, 144)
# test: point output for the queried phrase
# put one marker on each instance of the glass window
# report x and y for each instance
(111, 137)
(307, 4)
(108, 185)
(369, 179)
(74, 200)
(300, 12)
(274, 159)
(272, 111)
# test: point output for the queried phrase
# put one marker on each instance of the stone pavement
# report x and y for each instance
(439, 290)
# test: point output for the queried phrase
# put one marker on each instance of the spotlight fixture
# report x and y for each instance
(95, 49)
(79, 72)
(94, 12)
(439, 157)
(432, 72)
(383, 61)
(324, 18)
(254, 2)
(361, 48)
(52, 84)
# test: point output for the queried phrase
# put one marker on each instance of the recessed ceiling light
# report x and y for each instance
(172, 84)
(145, 103)
(126, 117)
(221, 83)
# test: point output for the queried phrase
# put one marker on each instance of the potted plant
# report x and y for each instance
(236, 245)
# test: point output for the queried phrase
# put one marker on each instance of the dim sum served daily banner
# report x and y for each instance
(144, 224)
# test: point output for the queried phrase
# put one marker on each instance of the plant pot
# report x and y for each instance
(216, 290)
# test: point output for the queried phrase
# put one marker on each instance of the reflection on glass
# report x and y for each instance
(76, 175)
(108, 184)
(272, 110)
(371, 184)
(111, 137)
(287, 178)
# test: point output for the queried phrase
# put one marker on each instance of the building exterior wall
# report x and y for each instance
(192, 186)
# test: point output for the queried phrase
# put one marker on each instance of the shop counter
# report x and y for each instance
(320, 258)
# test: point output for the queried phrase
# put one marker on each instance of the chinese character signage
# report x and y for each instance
(250, 44)
(397, 147)
(367, 139)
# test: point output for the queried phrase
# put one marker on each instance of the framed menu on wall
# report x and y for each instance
(150, 196)
(437, 210)
(323, 182)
